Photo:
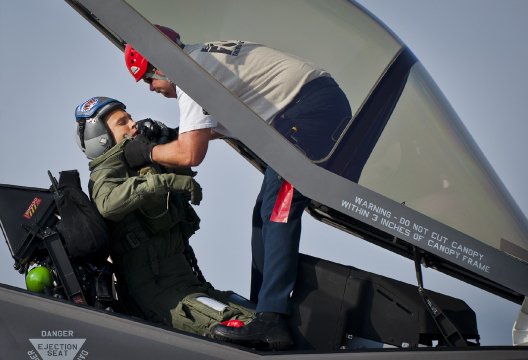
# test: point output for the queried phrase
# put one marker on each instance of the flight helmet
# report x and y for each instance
(93, 136)
(38, 278)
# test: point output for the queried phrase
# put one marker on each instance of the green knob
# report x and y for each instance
(38, 278)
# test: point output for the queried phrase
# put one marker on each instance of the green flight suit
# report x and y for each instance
(150, 221)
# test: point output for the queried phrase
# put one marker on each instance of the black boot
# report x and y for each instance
(268, 331)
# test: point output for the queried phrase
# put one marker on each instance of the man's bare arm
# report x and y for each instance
(188, 150)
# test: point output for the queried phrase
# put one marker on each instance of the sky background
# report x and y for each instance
(52, 59)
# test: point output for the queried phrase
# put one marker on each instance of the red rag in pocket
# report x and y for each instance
(282, 206)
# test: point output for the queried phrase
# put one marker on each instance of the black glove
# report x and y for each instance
(152, 129)
(172, 134)
(156, 131)
(137, 152)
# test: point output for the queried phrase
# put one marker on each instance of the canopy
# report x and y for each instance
(404, 173)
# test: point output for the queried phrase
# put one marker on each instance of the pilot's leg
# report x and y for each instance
(199, 312)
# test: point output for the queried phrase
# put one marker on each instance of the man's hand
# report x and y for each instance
(137, 152)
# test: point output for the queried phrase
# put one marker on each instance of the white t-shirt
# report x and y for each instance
(194, 117)
(263, 78)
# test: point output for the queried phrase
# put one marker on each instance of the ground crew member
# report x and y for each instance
(304, 104)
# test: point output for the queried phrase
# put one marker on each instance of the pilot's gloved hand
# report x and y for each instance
(185, 185)
(156, 131)
(172, 134)
(152, 129)
(138, 152)
(195, 192)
